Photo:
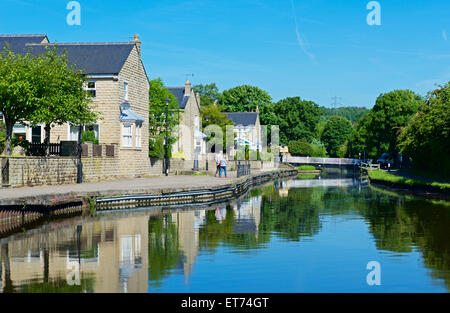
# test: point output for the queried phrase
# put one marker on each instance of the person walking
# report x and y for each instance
(217, 158)
(223, 166)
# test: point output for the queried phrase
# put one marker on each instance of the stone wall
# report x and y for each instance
(35, 171)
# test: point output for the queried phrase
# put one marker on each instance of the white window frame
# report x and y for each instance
(125, 91)
(92, 89)
(138, 136)
(69, 125)
(126, 135)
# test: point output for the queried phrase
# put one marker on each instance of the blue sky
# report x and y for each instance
(314, 49)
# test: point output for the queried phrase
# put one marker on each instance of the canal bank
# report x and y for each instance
(139, 191)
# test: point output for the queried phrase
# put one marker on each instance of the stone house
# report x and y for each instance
(247, 129)
(119, 89)
(190, 144)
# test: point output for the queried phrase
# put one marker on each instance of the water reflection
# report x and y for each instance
(279, 226)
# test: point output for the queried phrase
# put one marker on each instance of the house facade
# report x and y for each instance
(190, 144)
(118, 85)
(247, 130)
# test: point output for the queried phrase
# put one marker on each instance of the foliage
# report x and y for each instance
(41, 89)
(212, 115)
(319, 150)
(336, 132)
(59, 92)
(307, 168)
(209, 93)
(353, 114)
(157, 113)
(297, 119)
(378, 130)
(89, 136)
(247, 98)
(300, 148)
(426, 138)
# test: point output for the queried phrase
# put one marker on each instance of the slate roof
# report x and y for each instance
(243, 118)
(93, 58)
(178, 92)
(18, 43)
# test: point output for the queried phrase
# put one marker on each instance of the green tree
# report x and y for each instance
(301, 148)
(59, 93)
(379, 129)
(209, 93)
(297, 119)
(336, 132)
(157, 113)
(17, 93)
(426, 137)
(212, 115)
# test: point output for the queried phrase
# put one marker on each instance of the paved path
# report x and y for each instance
(125, 186)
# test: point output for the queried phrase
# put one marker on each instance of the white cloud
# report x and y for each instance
(299, 37)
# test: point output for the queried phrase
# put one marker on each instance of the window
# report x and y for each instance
(125, 91)
(138, 135)
(127, 136)
(91, 89)
(73, 131)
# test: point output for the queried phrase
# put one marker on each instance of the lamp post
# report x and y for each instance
(206, 148)
(80, 164)
(166, 150)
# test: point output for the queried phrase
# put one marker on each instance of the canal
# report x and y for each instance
(292, 235)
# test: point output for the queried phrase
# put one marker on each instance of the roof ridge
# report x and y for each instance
(24, 35)
(79, 43)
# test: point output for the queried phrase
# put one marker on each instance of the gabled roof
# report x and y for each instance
(17, 43)
(243, 118)
(93, 58)
(179, 93)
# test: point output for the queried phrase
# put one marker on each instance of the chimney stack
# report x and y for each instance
(187, 88)
(138, 43)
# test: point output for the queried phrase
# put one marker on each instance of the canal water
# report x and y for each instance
(334, 234)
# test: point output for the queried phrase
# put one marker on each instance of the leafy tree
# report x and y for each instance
(89, 136)
(209, 93)
(157, 112)
(212, 115)
(426, 137)
(379, 129)
(301, 148)
(297, 119)
(336, 132)
(17, 93)
(59, 93)
(319, 150)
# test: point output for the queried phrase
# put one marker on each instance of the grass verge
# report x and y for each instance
(380, 175)
(307, 168)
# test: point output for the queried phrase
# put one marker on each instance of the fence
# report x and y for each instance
(38, 149)
(243, 169)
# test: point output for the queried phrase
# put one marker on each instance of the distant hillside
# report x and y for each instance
(353, 114)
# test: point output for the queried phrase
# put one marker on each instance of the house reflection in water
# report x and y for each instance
(97, 256)
(117, 253)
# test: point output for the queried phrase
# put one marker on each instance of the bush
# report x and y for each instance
(156, 147)
(89, 136)
(301, 148)
(319, 149)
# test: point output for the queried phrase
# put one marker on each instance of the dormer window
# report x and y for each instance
(125, 91)
(91, 89)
